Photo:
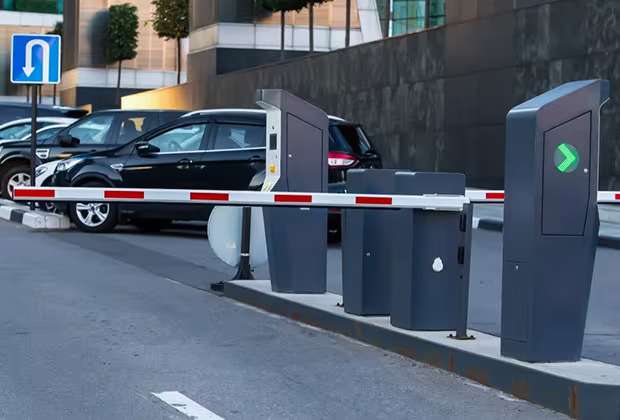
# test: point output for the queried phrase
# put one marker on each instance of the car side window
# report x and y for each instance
(188, 138)
(130, 128)
(238, 136)
(93, 130)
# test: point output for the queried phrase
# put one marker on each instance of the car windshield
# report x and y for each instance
(348, 138)
(45, 136)
(92, 130)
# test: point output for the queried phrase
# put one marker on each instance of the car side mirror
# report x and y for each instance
(67, 140)
(144, 148)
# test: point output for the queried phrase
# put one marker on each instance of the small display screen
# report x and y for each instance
(273, 141)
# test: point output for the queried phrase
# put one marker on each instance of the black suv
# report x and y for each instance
(215, 149)
(98, 131)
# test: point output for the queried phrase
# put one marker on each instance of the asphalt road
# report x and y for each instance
(91, 325)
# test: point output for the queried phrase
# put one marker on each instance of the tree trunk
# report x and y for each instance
(311, 24)
(282, 33)
(178, 61)
(118, 84)
(347, 35)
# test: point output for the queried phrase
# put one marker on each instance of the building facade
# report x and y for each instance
(88, 79)
(21, 16)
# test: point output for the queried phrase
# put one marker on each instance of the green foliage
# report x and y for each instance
(122, 33)
(171, 18)
(58, 28)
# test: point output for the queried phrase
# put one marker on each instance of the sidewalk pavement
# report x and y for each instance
(491, 217)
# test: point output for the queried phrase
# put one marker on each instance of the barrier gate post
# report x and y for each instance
(297, 147)
(550, 221)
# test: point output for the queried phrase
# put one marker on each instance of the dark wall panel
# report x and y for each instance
(437, 100)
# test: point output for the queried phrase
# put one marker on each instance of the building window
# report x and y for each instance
(404, 16)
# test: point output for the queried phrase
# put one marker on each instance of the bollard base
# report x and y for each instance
(461, 337)
(584, 389)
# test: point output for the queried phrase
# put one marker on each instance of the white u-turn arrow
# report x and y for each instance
(28, 68)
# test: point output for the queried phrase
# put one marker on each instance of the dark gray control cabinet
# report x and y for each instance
(550, 221)
(430, 273)
(367, 245)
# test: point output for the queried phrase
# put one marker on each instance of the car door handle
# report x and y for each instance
(256, 159)
(184, 163)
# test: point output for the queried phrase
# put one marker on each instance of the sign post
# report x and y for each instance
(35, 60)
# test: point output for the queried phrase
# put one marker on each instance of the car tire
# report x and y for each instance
(94, 217)
(16, 175)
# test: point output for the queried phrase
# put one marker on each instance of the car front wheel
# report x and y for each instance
(16, 176)
(94, 217)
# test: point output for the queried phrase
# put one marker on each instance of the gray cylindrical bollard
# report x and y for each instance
(367, 237)
(430, 275)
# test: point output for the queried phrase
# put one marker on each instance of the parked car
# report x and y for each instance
(18, 129)
(98, 131)
(215, 149)
(10, 111)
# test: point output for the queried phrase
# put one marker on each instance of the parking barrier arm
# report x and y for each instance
(434, 202)
(498, 196)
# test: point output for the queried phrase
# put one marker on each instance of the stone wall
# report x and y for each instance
(437, 100)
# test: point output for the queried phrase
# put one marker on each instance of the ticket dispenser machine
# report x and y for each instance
(550, 221)
(296, 161)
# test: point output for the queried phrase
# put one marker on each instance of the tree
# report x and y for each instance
(310, 4)
(171, 21)
(58, 29)
(283, 6)
(122, 38)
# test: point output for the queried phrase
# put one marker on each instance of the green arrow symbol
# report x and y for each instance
(567, 158)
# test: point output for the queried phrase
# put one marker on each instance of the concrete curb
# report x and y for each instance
(37, 220)
(497, 225)
(584, 389)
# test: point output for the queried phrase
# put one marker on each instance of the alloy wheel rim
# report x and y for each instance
(20, 179)
(92, 214)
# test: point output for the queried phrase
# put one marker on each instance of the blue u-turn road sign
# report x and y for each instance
(35, 59)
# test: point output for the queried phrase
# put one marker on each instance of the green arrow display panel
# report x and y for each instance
(566, 158)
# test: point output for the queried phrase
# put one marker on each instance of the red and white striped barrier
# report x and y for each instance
(609, 197)
(259, 198)
(242, 198)
(498, 196)
(482, 196)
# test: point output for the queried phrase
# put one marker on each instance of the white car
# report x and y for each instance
(16, 130)
(45, 171)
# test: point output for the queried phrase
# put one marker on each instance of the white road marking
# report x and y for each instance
(189, 407)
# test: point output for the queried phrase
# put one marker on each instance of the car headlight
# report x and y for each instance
(40, 171)
(65, 165)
